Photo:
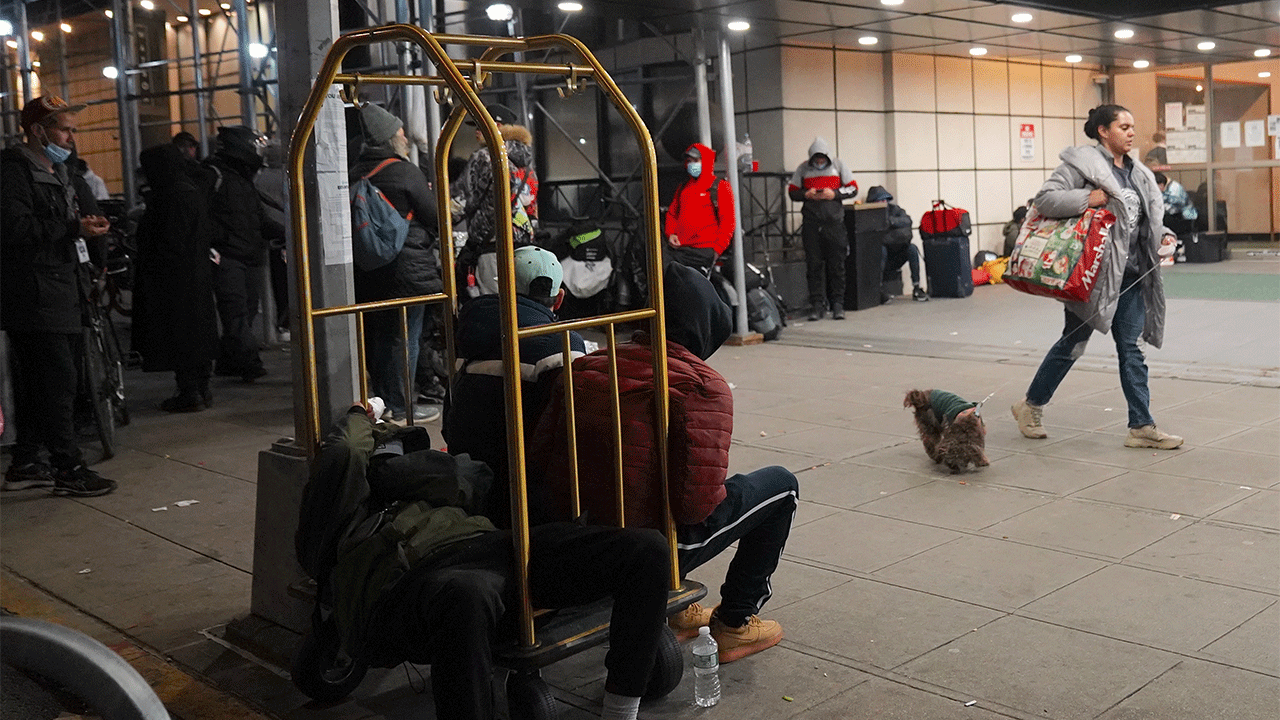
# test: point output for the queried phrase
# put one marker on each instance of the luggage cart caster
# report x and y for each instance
(668, 667)
(529, 698)
(321, 670)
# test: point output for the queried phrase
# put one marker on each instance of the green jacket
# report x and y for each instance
(419, 502)
(948, 405)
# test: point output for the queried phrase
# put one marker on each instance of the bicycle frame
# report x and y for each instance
(462, 78)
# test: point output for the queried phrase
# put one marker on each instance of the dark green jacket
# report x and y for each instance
(949, 405)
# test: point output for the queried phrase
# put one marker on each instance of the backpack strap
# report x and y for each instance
(377, 170)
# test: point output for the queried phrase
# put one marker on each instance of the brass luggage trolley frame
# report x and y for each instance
(463, 79)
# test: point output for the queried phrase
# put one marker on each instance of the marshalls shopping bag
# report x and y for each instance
(1060, 258)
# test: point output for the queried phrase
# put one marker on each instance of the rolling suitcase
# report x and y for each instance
(944, 232)
(946, 263)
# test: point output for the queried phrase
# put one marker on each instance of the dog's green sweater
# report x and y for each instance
(949, 405)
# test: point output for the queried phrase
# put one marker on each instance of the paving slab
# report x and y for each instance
(1047, 474)
(1204, 691)
(860, 542)
(1191, 497)
(1237, 556)
(1090, 528)
(956, 504)
(1043, 669)
(879, 624)
(1243, 468)
(887, 700)
(994, 573)
(1259, 510)
(1251, 645)
(1116, 602)
(850, 484)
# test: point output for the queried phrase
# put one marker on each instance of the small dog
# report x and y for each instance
(956, 442)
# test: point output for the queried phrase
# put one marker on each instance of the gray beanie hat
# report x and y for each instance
(379, 125)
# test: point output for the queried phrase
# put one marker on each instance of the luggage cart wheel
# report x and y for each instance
(321, 670)
(529, 698)
(668, 667)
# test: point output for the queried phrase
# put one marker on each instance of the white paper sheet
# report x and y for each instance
(1230, 134)
(332, 182)
(1173, 116)
(1196, 119)
(1255, 133)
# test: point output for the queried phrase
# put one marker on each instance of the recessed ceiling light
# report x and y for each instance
(13, 44)
(500, 12)
(1261, 52)
(205, 12)
(181, 18)
(570, 7)
(1021, 18)
(1074, 58)
(891, 2)
(110, 72)
(868, 40)
(1141, 64)
(1207, 45)
(257, 51)
(739, 25)
(1124, 34)
(65, 27)
(977, 51)
(37, 36)
(6, 28)
(109, 14)
(147, 5)
(225, 6)
(1199, 88)
(1264, 73)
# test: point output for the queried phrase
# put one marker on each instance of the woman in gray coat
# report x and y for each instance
(1128, 299)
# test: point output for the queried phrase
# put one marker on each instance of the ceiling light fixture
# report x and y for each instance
(891, 2)
(1074, 58)
(739, 25)
(12, 44)
(37, 36)
(977, 51)
(225, 6)
(1199, 88)
(1207, 45)
(1261, 52)
(258, 51)
(868, 40)
(500, 12)
(182, 18)
(1140, 64)
(1264, 74)
(206, 12)
(109, 14)
(1124, 34)
(1021, 18)
(147, 5)
(6, 28)
(65, 27)
(570, 7)
(110, 72)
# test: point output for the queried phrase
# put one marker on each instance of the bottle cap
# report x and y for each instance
(704, 630)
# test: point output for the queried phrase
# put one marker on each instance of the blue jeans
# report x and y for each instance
(756, 513)
(898, 255)
(384, 354)
(1126, 328)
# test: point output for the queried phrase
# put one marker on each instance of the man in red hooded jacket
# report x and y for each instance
(700, 220)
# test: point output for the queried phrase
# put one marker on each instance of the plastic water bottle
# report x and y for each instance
(746, 158)
(706, 669)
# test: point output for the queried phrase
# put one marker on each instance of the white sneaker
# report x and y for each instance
(1028, 417)
(1150, 436)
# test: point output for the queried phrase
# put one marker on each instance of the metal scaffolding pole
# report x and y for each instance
(197, 73)
(247, 114)
(62, 50)
(428, 21)
(731, 169)
(24, 52)
(119, 31)
(700, 82)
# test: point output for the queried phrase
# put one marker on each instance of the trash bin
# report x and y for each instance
(867, 225)
(1205, 247)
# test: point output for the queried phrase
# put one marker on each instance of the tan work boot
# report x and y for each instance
(751, 638)
(1028, 417)
(1150, 436)
(685, 623)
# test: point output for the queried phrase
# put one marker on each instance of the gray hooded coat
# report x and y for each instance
(1066, 194)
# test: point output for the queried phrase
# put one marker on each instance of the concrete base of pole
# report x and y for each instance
(748, 339)
(282, 473)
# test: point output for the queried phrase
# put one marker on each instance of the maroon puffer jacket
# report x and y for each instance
(701, 427)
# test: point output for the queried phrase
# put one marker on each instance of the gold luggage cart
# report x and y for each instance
(541, 639)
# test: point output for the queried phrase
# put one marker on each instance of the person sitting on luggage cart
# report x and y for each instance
(1179, 212)
(700, 221)
(897, 248)
(823, 183)
(711, 511)
(434, 581)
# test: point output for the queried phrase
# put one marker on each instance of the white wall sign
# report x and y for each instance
(1254, 135)
(1027, 148)
(1173, 116)
(1273, 124)
(1196, 118)
(332, 181)
(1230, 134)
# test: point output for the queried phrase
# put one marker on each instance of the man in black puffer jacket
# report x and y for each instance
(414, 272)
(898, 249)
(241, 232)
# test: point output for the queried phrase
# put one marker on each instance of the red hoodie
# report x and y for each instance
(691, 216)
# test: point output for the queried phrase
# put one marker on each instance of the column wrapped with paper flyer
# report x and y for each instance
(1060, 258)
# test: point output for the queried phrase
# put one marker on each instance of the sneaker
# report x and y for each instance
(1150, 436)
(919, 295)
(885, 298)
(183, 402)
(837, 314)
(421, 414)
(81, 482)
(27, 476)
(816, 314)
(686, 622)
(751, 638)
(1028, 417)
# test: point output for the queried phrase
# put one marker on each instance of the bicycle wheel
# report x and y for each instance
(96, 383)
(114, 385)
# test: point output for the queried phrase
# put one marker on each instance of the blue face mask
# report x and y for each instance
(56, 153)
(694, 168)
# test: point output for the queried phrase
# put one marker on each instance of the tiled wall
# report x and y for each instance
(924, 127)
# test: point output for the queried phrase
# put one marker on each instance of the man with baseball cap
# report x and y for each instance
(41, 242)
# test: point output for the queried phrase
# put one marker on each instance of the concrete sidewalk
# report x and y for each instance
(1073, 578)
